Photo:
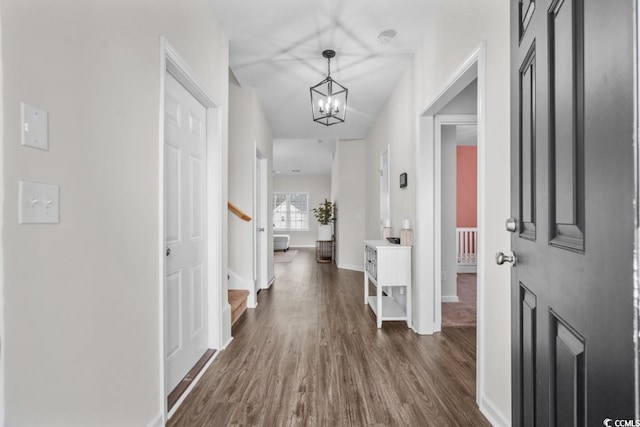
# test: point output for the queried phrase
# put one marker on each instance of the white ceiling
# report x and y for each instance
(275, 47)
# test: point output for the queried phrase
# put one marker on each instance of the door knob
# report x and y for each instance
(168, 252)
(502, 258)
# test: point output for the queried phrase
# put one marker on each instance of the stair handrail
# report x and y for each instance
(233, 208)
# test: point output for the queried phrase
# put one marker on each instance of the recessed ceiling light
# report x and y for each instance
(386, 36)
(295, 170)
(276, 171)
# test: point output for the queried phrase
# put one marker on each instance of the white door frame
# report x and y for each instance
(427, 295)
(260, 211)
(171, 62)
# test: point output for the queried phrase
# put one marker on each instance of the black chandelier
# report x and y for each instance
(329, 98)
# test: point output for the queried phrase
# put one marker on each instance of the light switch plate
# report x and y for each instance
(35, 127)
(39, 203)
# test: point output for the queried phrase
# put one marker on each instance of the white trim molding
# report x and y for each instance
(156, 421)
(192, 385)
(493, 415)
(271, 282)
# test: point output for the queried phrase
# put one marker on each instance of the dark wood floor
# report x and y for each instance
(310, 355)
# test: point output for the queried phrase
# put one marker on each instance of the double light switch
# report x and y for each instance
(39, 203)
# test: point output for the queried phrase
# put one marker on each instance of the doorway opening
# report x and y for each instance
(456, 135)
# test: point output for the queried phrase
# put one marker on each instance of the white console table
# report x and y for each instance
(387, 265)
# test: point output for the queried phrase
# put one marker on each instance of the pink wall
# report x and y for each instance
(466, 186)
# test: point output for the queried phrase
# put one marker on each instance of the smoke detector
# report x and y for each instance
(386, 36)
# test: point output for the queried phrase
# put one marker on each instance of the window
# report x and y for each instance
(291, 211)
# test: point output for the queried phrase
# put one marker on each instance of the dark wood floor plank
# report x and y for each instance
(310, 355)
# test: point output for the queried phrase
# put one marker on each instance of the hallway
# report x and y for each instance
(310, 354)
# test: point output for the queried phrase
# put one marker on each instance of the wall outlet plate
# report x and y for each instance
(35, 127)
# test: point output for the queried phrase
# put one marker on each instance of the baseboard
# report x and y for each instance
(156, 421)
(226, 324)
(467, 269)
(492, 414)
(271, 281)
(449, 298)
(352, 267)
(191, 386)
(226, 344)
(302, 246)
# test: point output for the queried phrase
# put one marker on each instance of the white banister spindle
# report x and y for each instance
(466, 245)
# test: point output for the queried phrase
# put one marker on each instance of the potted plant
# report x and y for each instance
(324, 213)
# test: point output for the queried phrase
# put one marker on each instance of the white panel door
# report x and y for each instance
(185, 231)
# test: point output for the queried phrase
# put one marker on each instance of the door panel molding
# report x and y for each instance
(527, 145)
(567, 372)
(566, 124)
(527, 362)
(526, 9)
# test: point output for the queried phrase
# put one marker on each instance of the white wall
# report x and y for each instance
(319, 188)
(82, 297)
(455, 29)
(348, 192)
(248, 130)
(448, 217)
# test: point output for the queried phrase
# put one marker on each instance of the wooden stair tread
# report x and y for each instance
(238, 302)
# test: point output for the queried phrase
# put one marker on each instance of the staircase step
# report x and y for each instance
(238, 303)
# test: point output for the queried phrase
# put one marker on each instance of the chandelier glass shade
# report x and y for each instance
(329, 98)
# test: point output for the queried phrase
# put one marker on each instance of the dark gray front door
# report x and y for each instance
(572, 199)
